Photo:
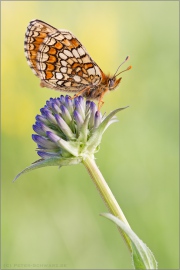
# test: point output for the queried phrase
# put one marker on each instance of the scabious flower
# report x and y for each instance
(68, 131)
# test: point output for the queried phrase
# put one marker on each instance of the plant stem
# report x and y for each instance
(106, 194)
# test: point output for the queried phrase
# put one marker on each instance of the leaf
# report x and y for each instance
(142, 256)
(105, 122)
(68, 146)
(96, 137)
(83, 133)
(55, 161)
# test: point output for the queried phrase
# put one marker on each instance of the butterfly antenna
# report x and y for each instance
(115, 75)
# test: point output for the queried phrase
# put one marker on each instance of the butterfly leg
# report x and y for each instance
(80, 92)
(101, 102)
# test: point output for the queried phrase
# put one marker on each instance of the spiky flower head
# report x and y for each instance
(67, 131)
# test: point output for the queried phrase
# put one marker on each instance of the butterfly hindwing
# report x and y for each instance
(36, 32)
(59, 59)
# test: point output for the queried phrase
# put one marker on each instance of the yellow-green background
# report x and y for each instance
(50, 217)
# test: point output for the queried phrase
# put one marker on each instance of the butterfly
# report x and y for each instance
(62, 63)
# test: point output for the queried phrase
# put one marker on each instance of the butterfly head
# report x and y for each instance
(113, 81)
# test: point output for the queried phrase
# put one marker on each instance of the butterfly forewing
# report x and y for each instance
(59, 59)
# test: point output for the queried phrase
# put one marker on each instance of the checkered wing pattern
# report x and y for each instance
(59, 59)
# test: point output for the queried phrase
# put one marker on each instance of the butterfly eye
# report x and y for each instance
(111, 82)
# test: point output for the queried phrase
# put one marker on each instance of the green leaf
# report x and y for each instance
(50, 162)
(142, 256)
(96, 137)
(105, 122)
(69, 146)
(83, 133)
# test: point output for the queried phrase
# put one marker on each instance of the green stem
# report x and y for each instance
(106, 194)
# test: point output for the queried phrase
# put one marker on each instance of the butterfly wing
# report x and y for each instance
(36, 32)
(59, 59)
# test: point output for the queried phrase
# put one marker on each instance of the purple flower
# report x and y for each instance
(64, 125)
(68, 131)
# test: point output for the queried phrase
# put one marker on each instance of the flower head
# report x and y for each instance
(67, 131)
(65, 126)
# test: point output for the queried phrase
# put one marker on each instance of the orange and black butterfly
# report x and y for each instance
(62, 63)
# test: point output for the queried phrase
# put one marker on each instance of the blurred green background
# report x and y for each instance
(50, 217)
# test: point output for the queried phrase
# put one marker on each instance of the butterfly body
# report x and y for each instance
(62, 63)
